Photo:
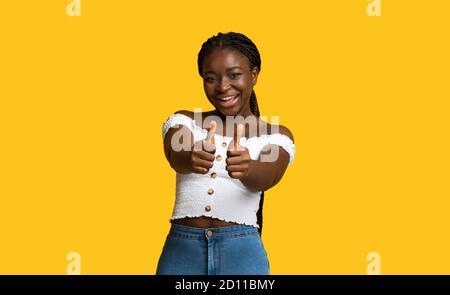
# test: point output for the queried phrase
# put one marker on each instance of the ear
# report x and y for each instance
(255, 72)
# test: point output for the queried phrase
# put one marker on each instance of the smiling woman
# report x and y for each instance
(229, 77)
(222, 176)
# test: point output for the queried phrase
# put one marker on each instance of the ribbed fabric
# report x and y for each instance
(227, 198)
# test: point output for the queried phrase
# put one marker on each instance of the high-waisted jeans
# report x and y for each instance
(236, 249)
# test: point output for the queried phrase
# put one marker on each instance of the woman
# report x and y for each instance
(222, 173)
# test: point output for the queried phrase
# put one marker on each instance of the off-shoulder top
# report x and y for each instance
(216, 194)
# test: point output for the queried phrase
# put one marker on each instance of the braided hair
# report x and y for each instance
(245, 46)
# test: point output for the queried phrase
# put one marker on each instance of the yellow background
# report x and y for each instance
(83, 100)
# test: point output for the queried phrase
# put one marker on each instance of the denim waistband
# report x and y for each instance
(232, 231)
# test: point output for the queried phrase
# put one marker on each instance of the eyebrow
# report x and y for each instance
(229, 69)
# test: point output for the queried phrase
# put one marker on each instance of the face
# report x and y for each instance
(228, 81)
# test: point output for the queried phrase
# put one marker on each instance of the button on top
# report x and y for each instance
(208, 208)
(218, 157)
(209, 233)
(213, 175)
(224, 144)
(210, 191)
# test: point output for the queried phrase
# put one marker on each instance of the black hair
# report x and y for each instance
(245, 46)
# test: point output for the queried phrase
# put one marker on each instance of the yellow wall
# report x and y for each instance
(82, 101)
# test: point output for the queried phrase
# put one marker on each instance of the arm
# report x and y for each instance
(264, 175)
(180, 161)
(180, 152)
(256, 174)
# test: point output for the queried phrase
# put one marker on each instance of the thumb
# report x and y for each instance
(211, 132)
(237, 136)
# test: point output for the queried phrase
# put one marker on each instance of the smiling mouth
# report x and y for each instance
(227, 101)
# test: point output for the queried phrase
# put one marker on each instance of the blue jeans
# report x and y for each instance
(235, 249)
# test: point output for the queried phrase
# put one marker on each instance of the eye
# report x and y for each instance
(235, 75)
(209, 79)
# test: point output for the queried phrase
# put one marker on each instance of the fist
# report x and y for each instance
(202, 156)
(238, 157)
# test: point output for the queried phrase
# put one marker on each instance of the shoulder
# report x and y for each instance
(177, 119)
(274, 129)
(285, 131)
(186, 113)
(191, 114)
(198, 118)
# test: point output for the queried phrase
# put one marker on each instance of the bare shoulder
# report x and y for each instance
(281, 130)
(284, 130)
(273, 129)
(198, 118)
(186, 113)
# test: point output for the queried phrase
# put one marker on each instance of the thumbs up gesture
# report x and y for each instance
(238, 157)
(202, 156)
(211, 131)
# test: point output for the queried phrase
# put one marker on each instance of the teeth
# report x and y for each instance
(226, 98)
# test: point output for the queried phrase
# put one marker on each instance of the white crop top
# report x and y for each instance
(216, 194)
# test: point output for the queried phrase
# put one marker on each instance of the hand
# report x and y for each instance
(202, 156)
(238, 157)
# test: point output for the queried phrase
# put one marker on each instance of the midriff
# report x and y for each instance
(203, 222)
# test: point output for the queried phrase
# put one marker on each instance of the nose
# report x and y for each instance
(223, 85)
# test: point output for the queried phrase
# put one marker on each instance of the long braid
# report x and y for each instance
(254, 104)
(245, 46)
(255, 110)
